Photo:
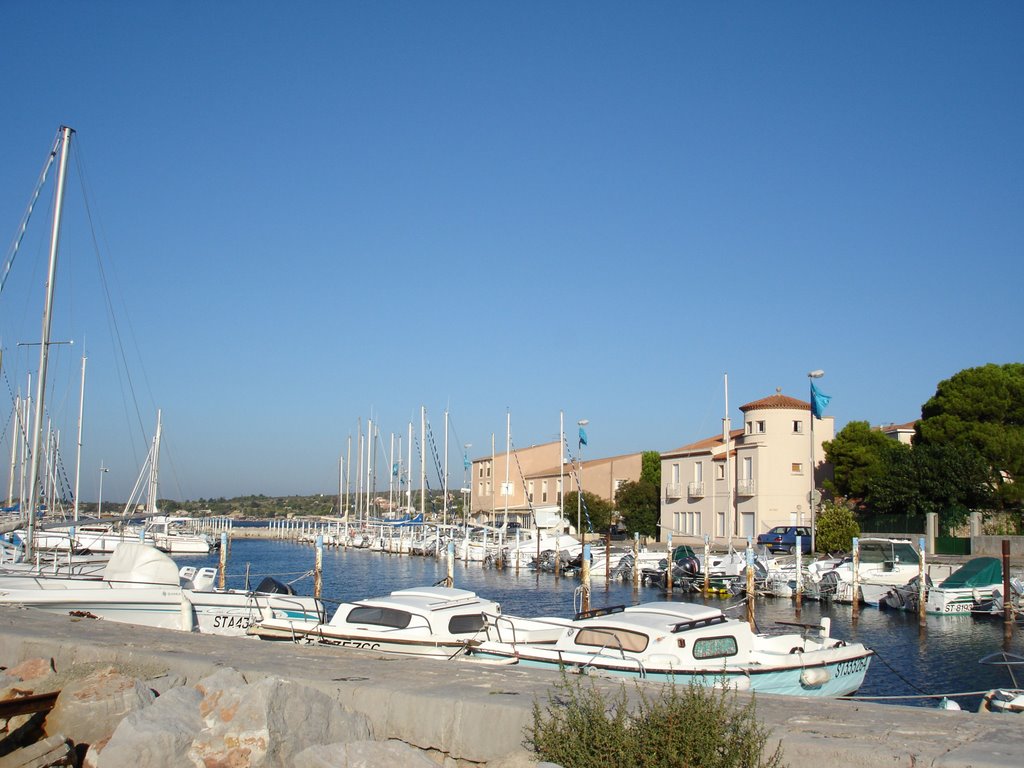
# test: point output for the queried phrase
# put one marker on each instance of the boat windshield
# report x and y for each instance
(378, 616)
(466, 623)
(888, 552)
(612, 637)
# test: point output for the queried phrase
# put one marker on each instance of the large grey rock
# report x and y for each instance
(268, 723)
(158, 736)
(363, 754)
(88, 710)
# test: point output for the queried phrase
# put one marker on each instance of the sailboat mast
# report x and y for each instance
(444, 500)
(44, 347)
(154, 467)
(727, 439)
(78, 453)
(423, 462)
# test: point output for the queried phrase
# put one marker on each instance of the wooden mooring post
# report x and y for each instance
(799, 567)
(668, 570)
(585, 579)
(922, 578)
(855, 598)
(223, 560)
(318, 567)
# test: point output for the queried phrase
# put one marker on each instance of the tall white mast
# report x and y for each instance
(561, 469)
(348, 474)
(78, 455)
(369, 466)
(359, 468)
(15, 441)
(727, 439)
(154, 467)
(444, 501)
(58, 207)
(408, 474)
(508, 457)
(423, 462)
(391, 475)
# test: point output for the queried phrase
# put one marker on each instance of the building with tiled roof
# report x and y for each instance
(535, 481)
(742, 482)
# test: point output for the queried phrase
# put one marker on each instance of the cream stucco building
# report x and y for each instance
(530, 480)
(742, 483)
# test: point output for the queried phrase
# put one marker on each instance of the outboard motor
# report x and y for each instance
(274, 587)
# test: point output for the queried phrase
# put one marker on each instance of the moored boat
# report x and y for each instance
(423, 621)
(689, 643)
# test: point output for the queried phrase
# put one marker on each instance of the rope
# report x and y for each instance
(901, 677)
(918, 696)
(579, 485)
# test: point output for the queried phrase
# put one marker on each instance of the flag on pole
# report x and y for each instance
(583, 437)
(819, 402)
(465, 461)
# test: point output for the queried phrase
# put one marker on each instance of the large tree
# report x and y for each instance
(595, 509)
(859, 456)
(639, 503)
(982, 408)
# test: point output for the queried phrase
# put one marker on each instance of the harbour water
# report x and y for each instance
(940, 659)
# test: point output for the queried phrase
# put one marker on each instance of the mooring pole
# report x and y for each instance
(450, 578)
(750, 589)
(608, 558)
(318, 567)
(636, 562)
(585, 578)
(707, 561)
(922, 578)
(856, 578)
(1007, 594)
(799, 565)
(668, 571)
(223, 559)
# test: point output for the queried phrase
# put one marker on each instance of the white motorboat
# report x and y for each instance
(171, 535)
(424, 621)
(884, 564)
(142, 585)
(971, 583)
(689, 643)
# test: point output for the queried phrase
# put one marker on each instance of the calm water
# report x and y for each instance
(941, 659)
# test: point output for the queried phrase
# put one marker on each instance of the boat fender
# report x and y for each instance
(186, 612)
(814, 678)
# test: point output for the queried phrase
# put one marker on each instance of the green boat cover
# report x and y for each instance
(979, 572)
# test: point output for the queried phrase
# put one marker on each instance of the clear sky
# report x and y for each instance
(311, 213)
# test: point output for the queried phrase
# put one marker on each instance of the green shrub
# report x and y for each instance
(835, 527)
(684, 726)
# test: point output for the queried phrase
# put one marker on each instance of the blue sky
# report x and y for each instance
(311, 213)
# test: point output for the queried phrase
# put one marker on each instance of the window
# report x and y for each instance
(715, 647)
(760, 427)
(675, 474)
(489, 488)
(720, 470)
(480, 488)
(750, 427)
(698, 472)
(543, 491)
(529, 491)
(380, 617)
(480, 471)
(613, 638)
(798, 427)
(748, 468)
(467, 623)
(488, 469)
(797, 468)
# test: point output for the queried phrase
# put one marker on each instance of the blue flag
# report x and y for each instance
(465, 461)
(583, 437)
(394, 470)
(819, 402)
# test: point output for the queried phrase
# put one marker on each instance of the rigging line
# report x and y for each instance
(111, 315)
(896, 672)
(529, 501)
(579, 486)
(28, 212)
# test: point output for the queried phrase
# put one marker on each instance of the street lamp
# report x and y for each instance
(99, 502)
(579, 479)
(811, 500)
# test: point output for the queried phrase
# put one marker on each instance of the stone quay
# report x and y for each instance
(462, 713)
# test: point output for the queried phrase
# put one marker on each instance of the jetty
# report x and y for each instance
(463, 713)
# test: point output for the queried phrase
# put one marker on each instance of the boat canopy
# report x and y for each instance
(979, 572)
(137, 563)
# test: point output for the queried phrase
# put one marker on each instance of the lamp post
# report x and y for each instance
(812, 502)
(579, 477)
(99, 502)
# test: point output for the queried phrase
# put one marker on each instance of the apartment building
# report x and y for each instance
(535, 480)
(745, 481)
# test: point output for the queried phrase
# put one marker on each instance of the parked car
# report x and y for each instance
(782, 538)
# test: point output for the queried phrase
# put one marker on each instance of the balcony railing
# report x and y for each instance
(746, 486)
(673, 491)
(695, 490)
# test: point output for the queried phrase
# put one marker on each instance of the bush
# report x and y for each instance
(835, 527)
(677, 725)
